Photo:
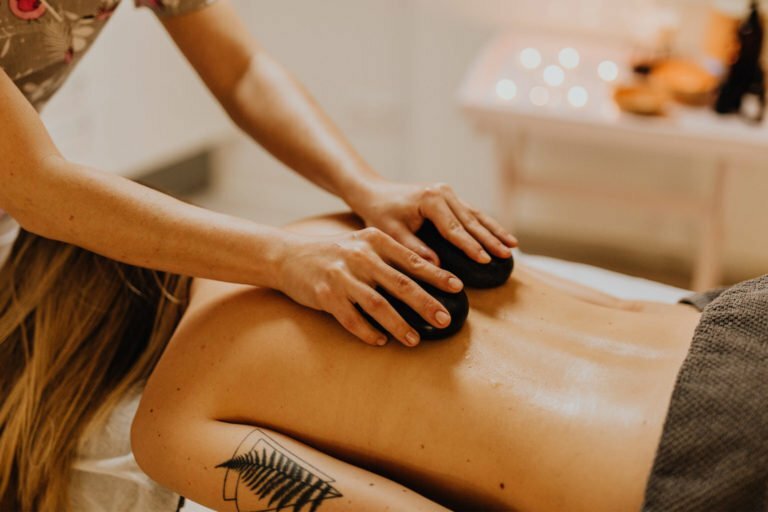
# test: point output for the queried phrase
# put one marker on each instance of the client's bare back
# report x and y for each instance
(546, 400)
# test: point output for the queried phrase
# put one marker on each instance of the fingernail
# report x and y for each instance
(485, 257)
(506, 251)
(381, 341)
(455, 284)
(412, 338)
(443, 318)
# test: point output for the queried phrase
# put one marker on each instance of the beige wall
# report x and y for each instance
(133, 103)
(388, 72)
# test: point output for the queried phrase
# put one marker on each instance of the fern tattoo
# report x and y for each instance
(263, 476)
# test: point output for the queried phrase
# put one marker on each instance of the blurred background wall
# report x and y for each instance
(388, 72)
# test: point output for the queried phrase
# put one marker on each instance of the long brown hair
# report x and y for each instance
(77, 332)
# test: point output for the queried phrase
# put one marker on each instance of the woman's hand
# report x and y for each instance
(333, 273)
(400, 209)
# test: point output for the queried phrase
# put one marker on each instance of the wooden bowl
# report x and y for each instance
(686, 81)
(643, 100)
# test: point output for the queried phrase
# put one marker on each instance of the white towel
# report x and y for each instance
(9, 230)
(105, 475)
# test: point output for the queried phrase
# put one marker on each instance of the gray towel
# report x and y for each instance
(713, 454)
(701, 300)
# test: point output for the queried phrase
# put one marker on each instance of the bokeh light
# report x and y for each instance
(578, 96)
(608, 70)
(554, 75)
(530, 58)
(506, 89)
(569, 58)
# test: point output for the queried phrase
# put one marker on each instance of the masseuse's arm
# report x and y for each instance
(228, 467)
(271, 106)
(113, 216)
(125, 221)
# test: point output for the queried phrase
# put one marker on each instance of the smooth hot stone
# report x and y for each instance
(453, 259)
(457, 305)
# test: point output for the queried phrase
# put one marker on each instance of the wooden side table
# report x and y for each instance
(505, 101)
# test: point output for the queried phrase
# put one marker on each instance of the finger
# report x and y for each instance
(452, 230)
(410, 264)
(481, 233)
(497, 229)
(373, 303)
(412, 242)
(353, 321)
(408, 291)
(493, 226)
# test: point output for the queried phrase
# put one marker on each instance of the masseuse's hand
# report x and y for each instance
(333, 273)
(400, 209)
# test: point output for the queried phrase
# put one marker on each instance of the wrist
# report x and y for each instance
(273, 249)
(362, 193)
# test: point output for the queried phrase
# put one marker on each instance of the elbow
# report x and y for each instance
(28, 217)
(158, 435)
(241, 97)
(32, 222)
(163, 440)
(140, 441)
(231, 103)
(147, 442)
(228, 96)
(24, 196)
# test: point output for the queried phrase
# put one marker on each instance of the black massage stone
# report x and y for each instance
(457, 305)
(453, 259)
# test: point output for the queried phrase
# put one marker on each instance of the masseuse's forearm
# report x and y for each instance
(273, 108)
(266, 102)
(116, 217)
(131, 223)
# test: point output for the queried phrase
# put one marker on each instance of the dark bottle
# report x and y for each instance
(746, 78)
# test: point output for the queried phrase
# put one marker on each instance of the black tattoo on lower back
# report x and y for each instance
(264, 476)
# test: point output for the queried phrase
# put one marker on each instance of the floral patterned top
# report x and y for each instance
(41, 41)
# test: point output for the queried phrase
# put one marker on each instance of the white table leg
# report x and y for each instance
(510, 150)
(708, 266)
